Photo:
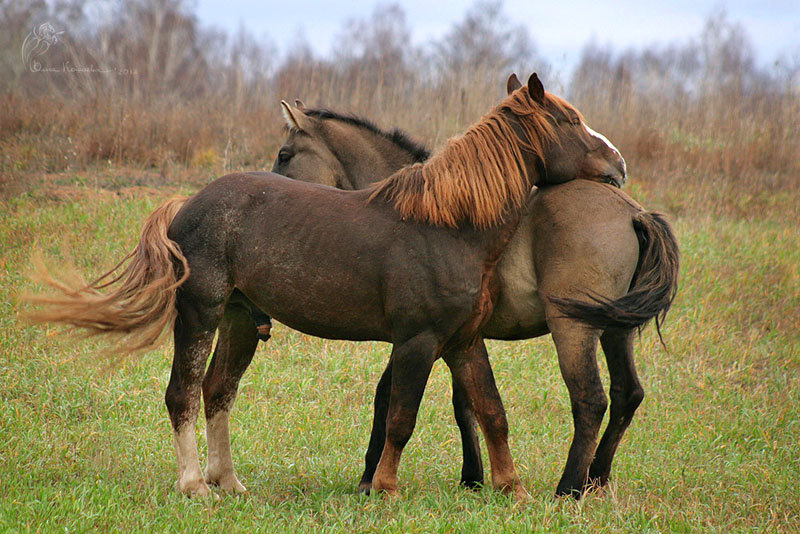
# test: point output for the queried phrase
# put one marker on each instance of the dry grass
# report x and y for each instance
(721, 155)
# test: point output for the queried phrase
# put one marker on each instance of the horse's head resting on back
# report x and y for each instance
(530, 138)
(567, 147)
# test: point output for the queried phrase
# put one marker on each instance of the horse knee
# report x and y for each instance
(590, 410)
(496, 424)
(632, 401)
(624, 402)
(217, 395)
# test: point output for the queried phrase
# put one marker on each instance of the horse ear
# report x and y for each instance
(299, 104)
(513, 83)
(536, 89)
(295, 118)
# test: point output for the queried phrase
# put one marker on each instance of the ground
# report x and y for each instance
(85, 443)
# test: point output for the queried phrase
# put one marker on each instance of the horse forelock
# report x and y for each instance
(478, 176)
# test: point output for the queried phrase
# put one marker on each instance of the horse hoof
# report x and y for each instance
(365, 487)
(194, 488)
(521, 495)
(385, 489)
(227, 484)
(569, 492)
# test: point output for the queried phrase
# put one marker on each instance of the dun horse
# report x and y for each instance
(415, 255)
(574, 238)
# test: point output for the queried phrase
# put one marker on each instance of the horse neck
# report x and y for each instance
(366, 156)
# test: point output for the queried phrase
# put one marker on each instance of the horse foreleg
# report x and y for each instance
(626, 395)
(236, 345)
(411, 366)
(472, 468)
(577, 358)
(473, 375)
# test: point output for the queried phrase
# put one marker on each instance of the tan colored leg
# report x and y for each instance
(190, 478)
(220, 470)
(236, 345)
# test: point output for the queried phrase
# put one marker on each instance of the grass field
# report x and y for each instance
(714, 446)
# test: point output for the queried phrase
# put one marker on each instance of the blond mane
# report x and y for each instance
(478, 176)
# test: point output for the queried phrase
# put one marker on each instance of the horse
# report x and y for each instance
(415, 254)
(575, 237)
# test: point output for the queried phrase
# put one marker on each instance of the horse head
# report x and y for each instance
(569, 148)
(305, 152)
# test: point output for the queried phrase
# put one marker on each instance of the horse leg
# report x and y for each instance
(577, 358)
(412, 362)
(472, 468)
(472, 375)
(236, 344)
(626, 395)
(194, 335)
(377, 439)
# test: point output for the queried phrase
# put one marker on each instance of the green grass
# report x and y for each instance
(714, 446)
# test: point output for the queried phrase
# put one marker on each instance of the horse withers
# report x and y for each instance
(416, 256)
(575, 239)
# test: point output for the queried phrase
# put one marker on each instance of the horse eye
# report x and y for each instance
(284, 156)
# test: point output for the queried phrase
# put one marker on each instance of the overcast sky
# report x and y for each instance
(559, 28)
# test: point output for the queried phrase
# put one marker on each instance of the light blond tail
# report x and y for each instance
(135, 304)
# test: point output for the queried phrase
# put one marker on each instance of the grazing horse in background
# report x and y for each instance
(576, 237)
(415, 256)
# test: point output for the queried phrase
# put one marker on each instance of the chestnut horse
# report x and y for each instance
(414, 255)
(575, 237)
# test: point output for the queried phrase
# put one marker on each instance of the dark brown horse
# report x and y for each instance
(414, 256)
(576, 237)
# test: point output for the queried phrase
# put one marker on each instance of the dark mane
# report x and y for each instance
(396, 136)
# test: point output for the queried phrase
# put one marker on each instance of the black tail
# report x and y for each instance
(653, 287)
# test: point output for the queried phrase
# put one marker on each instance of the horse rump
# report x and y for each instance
(652, 290)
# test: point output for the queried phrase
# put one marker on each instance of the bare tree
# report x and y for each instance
(378, 46)
(486, 41)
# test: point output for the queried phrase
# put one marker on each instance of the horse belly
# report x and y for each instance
(321, 291)
(519, 311)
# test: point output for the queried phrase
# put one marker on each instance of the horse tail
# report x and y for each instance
(138, 305)
(652, 290)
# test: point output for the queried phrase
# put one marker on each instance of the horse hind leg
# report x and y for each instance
(626, 395)
(472, 466)
(377, 438)
(236, 345)
(194, 335)
(577, 358)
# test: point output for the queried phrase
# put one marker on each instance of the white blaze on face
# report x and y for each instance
(608, 143)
